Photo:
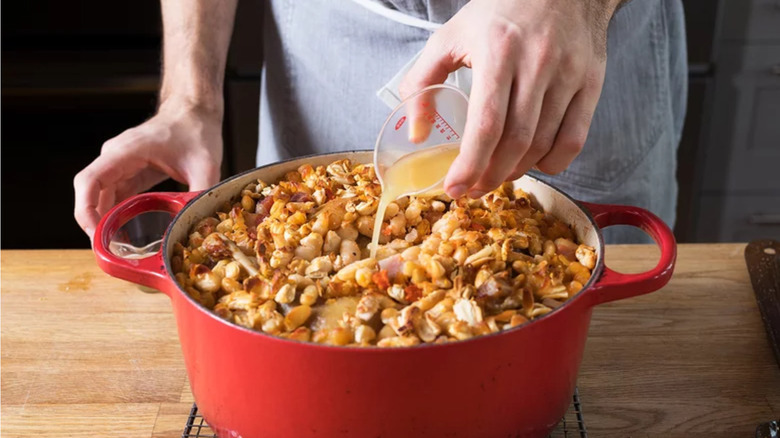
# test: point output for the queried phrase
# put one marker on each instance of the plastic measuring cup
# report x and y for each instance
(434, 116)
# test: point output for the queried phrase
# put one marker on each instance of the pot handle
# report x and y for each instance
(148, 271)
(613, 285)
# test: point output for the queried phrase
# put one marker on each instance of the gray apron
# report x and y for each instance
(327, 60)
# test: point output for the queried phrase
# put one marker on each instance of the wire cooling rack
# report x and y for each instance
(572, 424)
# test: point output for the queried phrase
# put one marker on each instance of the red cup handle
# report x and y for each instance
(613, 285)
(149, 271)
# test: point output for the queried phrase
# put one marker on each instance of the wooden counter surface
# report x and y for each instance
(87, 355)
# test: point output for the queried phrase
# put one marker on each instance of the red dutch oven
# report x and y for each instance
(515, 383)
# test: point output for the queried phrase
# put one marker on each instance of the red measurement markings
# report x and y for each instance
(445, 127)
(400, 123)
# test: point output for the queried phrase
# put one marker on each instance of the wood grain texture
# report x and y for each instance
(83, 354)
(691, 360)
(86, 355)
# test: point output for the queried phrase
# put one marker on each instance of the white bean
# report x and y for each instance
(350, 252)
(332, 242)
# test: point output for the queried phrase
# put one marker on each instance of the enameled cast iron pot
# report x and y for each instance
(515, 383)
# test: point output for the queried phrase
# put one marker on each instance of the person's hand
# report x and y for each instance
(181, 142)
(537, 68)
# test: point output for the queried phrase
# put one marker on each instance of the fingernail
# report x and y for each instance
(476, 194)
(457, 191)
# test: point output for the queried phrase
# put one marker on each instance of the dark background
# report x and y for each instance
(80, 72)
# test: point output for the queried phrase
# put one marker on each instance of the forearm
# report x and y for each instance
(196, 36)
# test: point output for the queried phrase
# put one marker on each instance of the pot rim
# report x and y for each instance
(595, 274)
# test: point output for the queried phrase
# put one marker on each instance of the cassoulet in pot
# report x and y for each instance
(291, 259)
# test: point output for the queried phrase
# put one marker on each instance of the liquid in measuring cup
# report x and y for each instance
(413, 174)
